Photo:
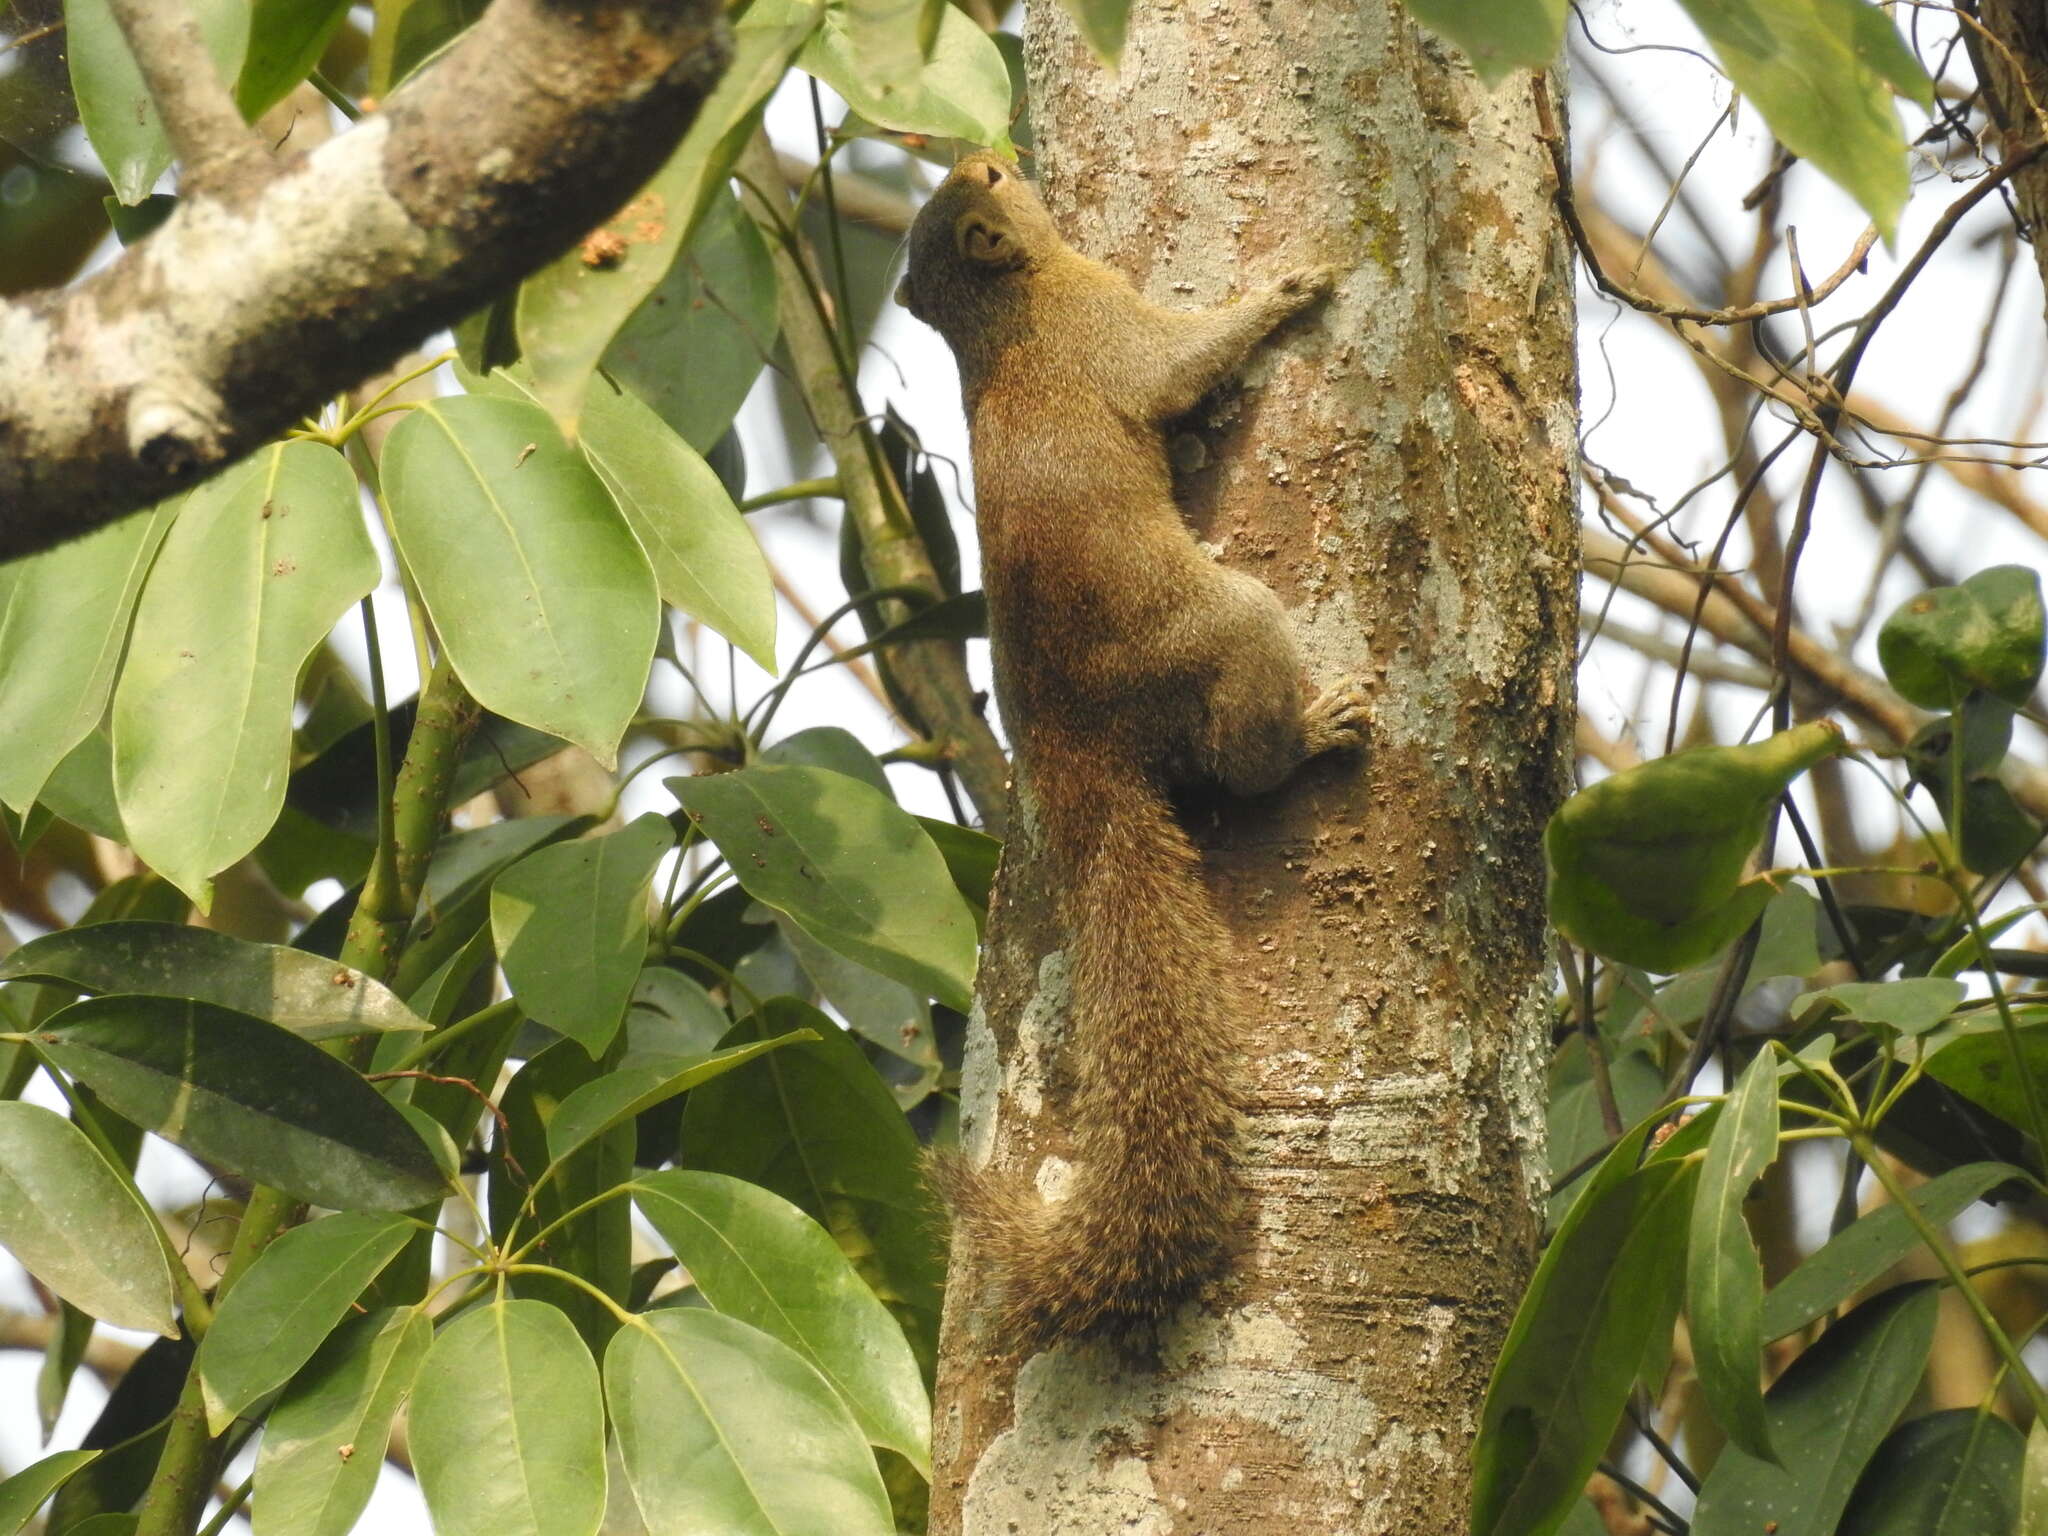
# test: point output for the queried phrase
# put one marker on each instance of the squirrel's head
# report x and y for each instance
(983, 225)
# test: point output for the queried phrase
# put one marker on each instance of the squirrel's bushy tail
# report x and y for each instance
(1151, 1040)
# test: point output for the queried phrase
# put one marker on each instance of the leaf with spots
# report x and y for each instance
(851, 867)
(261, 562)
(535, 582)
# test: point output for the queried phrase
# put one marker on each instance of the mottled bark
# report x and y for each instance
(1401, 470)
(2012, 62)
(262, 297)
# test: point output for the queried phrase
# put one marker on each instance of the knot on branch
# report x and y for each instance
(175, 435)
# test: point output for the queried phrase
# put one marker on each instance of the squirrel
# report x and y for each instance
(1128, 664)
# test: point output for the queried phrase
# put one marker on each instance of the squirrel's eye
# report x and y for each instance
(995, 174)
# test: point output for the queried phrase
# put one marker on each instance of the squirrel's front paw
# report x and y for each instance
(1307, 284)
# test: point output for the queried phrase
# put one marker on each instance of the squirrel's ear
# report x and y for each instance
(985, 241)
(903, 291)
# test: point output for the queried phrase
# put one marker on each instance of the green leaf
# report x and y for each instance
(962, 92)
(260, 563)
(1497, 36)
(1724, 1279)
(1788, 944)
(963, 616)
(286, 40)
(1102, 25)
(590, 1231)
(1827, 1414)
(815, 1124)
(697, 343)
(1970, 1054)
(1911, 1007)
(287, 1303)
(639, 1084)
(1955, 1473)
(885, 39)
(63, 621)
(77, 1225)
(507, 1426)
(1574, 1126)
(829, 746)
(672, 1015)
(570, 923)
(455, 901)
(409, 32)
(728, 1432)
(1646, 866)
(254, 1098)
(570, 310)
(347, 1395)
(1573, 1350)
(859, 874)
(534, 580)
(1992, 832)
(1822, 73)
(705, 559)
(756, 1257)
(115, 108)
(313, 997)
(971, 857)
(890, 1014)
(1985, 634)
(1870, 1246)
(24, 1493)
(2033, 1519)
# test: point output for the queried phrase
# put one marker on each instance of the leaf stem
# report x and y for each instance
(1938, 1245)
(801, 490)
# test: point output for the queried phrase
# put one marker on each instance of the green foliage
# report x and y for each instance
(260, 563)
(1648, 870)
(23, 1494)
(1498, 36)
(1724, 1280)
(1822, 73)
(76, 1223)
(347, 1394)
(1646, 867)
(312, 997)
(116, 110)
(287, 1304)
(756, 1257)
(507, 1425)
(63, 623)
(570, 926)
(1827, 1414)
(570, 312)
(286, 41)
(532, 577)
(1953, 1473)
(726, 1431)
(786, 833)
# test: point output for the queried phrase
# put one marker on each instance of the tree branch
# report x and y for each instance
(214, 146)
(931, 674)
(249, 308)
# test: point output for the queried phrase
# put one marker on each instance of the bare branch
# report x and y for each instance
(248, 309)
(213, 145)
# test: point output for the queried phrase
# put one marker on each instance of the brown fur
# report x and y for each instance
(1127, 663)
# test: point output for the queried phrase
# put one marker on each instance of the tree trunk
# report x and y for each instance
(1402, 472)
(2012, 65)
